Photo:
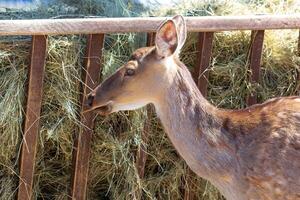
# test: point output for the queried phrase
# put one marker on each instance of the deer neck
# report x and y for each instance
(194, 128)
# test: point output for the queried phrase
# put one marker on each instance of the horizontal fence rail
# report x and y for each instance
(146, 24)
(96, 28)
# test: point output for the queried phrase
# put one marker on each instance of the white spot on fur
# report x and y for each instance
(281, 100)
(130, 106)
(282, 114)
(170, 66)
(297, 100)
(275, 135)
(278, 191)
(296, 114)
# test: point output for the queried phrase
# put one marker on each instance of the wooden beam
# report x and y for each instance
(204, 48)
(189, 186)
(298, 49)
(255, 58)
(141, 156)
(150, 39)
(298, 72)
(145, 24)
(32, 117)
(82, 146)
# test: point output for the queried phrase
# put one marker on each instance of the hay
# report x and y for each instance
(117, 137)
(13, 68)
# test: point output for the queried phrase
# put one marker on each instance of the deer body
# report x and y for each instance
(248, 154)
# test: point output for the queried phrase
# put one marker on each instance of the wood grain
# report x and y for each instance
(255, 58)
(146, 24)
(82, 146)
(298, 71)
(204, 49)
(32, 117)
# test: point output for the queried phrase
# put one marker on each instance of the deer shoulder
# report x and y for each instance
(267, 140)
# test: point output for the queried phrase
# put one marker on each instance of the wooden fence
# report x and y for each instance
(95, 28)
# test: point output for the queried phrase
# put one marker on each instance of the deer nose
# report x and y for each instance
(90, 99)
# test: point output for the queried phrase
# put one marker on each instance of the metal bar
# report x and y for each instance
(82, 146)
(32, 118)
(204, 47)
(145, 24)
(255, 58)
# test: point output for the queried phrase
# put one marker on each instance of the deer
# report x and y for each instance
(247, 154)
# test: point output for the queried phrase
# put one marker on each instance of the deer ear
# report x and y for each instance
(166, 40)
(181, 30)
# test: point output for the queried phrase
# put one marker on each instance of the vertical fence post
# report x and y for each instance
(257, 38)
(32, 118)
(200, 75)
(204, 49)
(82, 146)
(298, 72)
(299, 44)
(141, 156)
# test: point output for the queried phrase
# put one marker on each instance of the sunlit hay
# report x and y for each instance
(117, 137)
(228, 75)
(280, 64)
(13, 73)
(164, 168)
(228, 7)
(117, 50)
(113, 172)
(59, 117)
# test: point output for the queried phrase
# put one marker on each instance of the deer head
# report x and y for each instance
(146, 76)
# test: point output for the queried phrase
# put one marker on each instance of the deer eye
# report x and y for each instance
(129, 72)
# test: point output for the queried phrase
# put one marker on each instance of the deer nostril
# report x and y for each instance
(90, 99)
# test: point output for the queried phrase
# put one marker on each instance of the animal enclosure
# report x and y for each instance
(95, 30)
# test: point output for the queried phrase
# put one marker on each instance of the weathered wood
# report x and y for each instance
(298, 72)
(32, 117)
(150, 39)
(82, 146)
(141, 156)
(204, 49)
(299, 44)
(146, 24)
(255, 58)
(189, 187)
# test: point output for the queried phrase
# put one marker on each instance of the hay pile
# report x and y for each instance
(117, 137)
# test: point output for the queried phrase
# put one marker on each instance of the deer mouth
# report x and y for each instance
(104, 109)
